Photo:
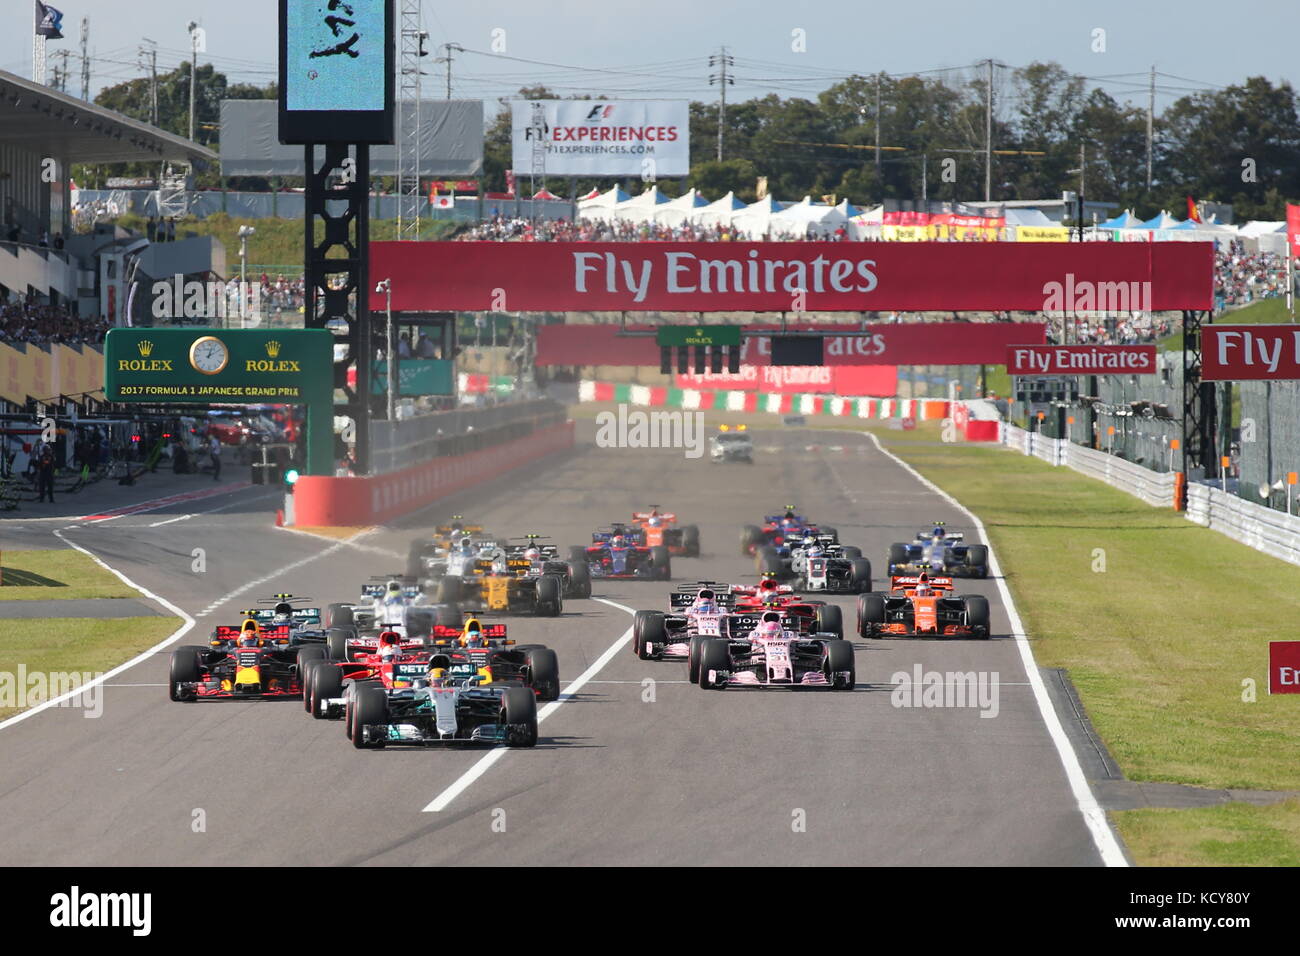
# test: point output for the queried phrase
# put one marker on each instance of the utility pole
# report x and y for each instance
(877, 128)
(1151, 118)
(988, 132)
(59, 75)
(152, 55)
(85, 59)
(194, 70)
(1083, 172)
(924, 177)
(446, 59)
(721, 60)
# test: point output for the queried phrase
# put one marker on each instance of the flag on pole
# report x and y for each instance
(1192, 212)
(49, 22)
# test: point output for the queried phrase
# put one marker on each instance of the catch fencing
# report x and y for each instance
(1275, 533)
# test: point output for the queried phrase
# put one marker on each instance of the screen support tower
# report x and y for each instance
(409, 198)
(337, 286)
(1199, 402)
(539, 154)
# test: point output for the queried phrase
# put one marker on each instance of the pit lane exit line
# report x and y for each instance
(484, 763)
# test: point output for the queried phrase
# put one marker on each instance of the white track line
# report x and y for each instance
(188, 622)
(1103, 837)
(159, 524)
(444, 799)
(278, 572)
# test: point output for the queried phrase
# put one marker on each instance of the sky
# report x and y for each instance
(661, 50)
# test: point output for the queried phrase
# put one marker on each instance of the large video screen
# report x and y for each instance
(336, 77)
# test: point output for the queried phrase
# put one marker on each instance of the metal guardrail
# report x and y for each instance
(1273, 532)
(1264, 529)
(397, 445)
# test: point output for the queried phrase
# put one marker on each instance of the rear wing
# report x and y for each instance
(908, 582)
(927, 534)
(685, 595)
(231, 632)
(490, 631)
(647, 515)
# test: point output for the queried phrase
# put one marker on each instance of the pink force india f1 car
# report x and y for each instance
(773, 656)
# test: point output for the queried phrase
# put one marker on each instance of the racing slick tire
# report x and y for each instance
(338, 615)
(544, 673)
(839, 657)
(662, 563)
(336, 643)
(519, 714)
(850, 552)
(860, 575)
(578, 555)
(326, 682)
(693, 657)
(830, 531)
(647, 626)
(977, 558)
(829, 619)
(871, 614)
(751, 539)
(691, 541)
(306, 654)
(550, 596)
(370, 706)
(977, 614)
(580, 579)
(715, 655)
(449, 615)
(897, 556)
(184, 669)
(349, 696)
(449, 590)
(767, 561)
(306, 675)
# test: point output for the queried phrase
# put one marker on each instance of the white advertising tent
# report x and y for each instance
(676, 211)
(720, 211)
(640, 208)
(755, 219)
(601, 206)
(806, 217)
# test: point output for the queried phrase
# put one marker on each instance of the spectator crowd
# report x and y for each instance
(1242, 277)
(500, 228)
(30, 322)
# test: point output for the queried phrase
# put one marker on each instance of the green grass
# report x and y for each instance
(56, 575)
(1159, 642)
(1234, 834)
(277, 242)
(1264, 312)
(76, 644)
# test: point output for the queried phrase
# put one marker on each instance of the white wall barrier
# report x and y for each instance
(1264, 529)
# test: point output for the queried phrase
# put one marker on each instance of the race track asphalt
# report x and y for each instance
(625, 773)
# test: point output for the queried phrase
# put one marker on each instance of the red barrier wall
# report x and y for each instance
(352, 502)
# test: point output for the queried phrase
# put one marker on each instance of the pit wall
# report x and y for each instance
(357, 502)
(691, 399)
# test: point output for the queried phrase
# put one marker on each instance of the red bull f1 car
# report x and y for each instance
(241, 662)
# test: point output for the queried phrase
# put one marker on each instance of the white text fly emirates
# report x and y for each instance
(685, 272)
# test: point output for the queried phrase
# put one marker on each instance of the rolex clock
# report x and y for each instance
(209, 355)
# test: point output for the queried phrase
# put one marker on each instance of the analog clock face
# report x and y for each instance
(209, 355)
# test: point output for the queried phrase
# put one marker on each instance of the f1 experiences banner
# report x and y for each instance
(603, 137)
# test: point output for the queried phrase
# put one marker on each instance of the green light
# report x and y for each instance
(291, 476)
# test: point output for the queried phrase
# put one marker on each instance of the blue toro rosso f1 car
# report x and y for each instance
(614, 554)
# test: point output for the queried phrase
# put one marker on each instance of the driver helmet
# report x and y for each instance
(438, 676)
(394, 589)
(769, 628)
(389, 645)
(618, 541)
(473, 634)
(923, 588)
(249, 634)
(769, 585)
(283, 612)
(705, 603)
(533, 554)
(654, 522)
(938, 532)
(815, 551)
